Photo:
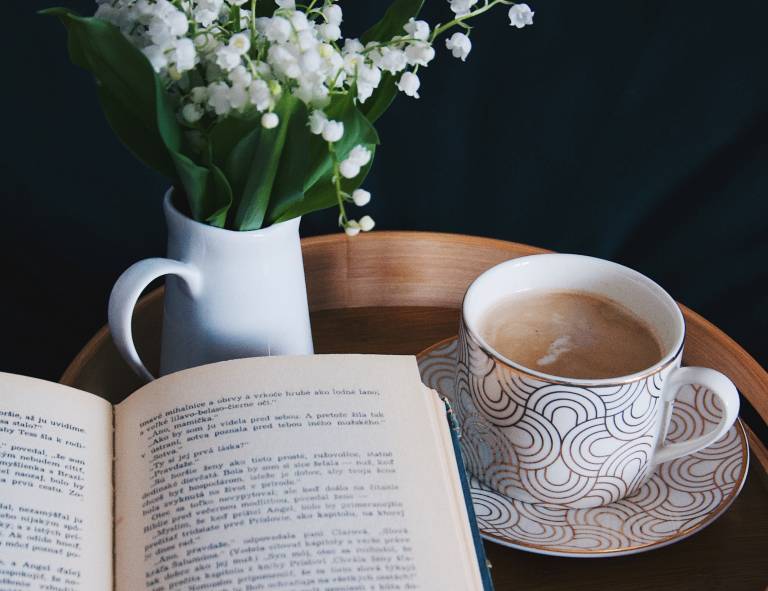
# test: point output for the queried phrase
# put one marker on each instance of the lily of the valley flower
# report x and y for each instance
(361, 197)
(349, 169)
(419, 30)
(462, 7)
(317, 121)
(459, 45)
(352, 228)
(366, 223)
(269, 120)
(358, 157)
(520, 15)
(219, 58)
(333, 131)
(419, 54)
(409, 84)
(192, 112)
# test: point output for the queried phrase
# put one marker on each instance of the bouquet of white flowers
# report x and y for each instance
(257, 109)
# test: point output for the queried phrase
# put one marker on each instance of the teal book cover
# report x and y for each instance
(482, 561)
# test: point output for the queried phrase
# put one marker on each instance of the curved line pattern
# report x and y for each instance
(566, 438)
(554, 450)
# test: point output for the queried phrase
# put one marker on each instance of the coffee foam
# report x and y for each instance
(571, 334)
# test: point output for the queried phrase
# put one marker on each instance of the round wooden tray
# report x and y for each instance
(399, 292)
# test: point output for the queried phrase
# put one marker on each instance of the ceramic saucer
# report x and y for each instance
(683, 497)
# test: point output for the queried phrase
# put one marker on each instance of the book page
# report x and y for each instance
(55, 487)
(300, 473)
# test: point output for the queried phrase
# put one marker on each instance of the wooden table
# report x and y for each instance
(399, 292)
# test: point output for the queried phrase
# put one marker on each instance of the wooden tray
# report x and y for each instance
(399, 292)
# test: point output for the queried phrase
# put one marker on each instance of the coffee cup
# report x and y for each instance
(579, 442)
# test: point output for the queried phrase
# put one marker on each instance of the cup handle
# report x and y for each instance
(126, 293)
(714, 381)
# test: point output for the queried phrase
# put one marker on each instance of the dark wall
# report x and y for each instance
(634, 131)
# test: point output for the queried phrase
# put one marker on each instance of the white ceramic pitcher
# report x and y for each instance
(228, 295)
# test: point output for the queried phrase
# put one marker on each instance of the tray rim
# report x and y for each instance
(750, 378)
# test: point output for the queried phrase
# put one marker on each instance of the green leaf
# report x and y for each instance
(253, 163)
(306, 159)
(357, 130)
(219, 185)
(272, 172)
(323, 194)
(227, 132)
(393, 21)
(141, 112)
(126, 85)
(207, 195)
(288, 188)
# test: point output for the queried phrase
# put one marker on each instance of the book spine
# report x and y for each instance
(482, 561)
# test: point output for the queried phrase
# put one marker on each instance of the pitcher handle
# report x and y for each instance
(126, 293)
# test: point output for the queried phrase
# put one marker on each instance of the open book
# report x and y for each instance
(332, 472)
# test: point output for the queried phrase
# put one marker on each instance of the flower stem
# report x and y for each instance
(253, 19)
(337, 184)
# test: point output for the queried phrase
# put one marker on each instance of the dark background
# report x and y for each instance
(634, 131)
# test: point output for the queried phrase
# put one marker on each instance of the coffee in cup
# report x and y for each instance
(572, 334)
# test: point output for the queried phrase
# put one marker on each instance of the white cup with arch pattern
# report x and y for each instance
(577, 443)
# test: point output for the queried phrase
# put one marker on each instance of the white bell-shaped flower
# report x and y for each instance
(390, 59)
(199, 94)
(238, 96)
(333, 14)
(192, 113)
(419, 54)
(270, 120)
(299, 22)
(459, 45)
(360, 155)
(260, 95)
(277, 29)
(333, 131)
(366, 223)
(156, 56)
(417, 29)
(462, 7)
(240, 43)
(317, 121)
(218, 98)
(520, 15)
(184, 55)
(352, 228)
(349, 169)
(409, 83)
(352, 45)
(361, 197)
(368, 79)
(177, 23)
(227, 58)
(329, 32)
(240, 75)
